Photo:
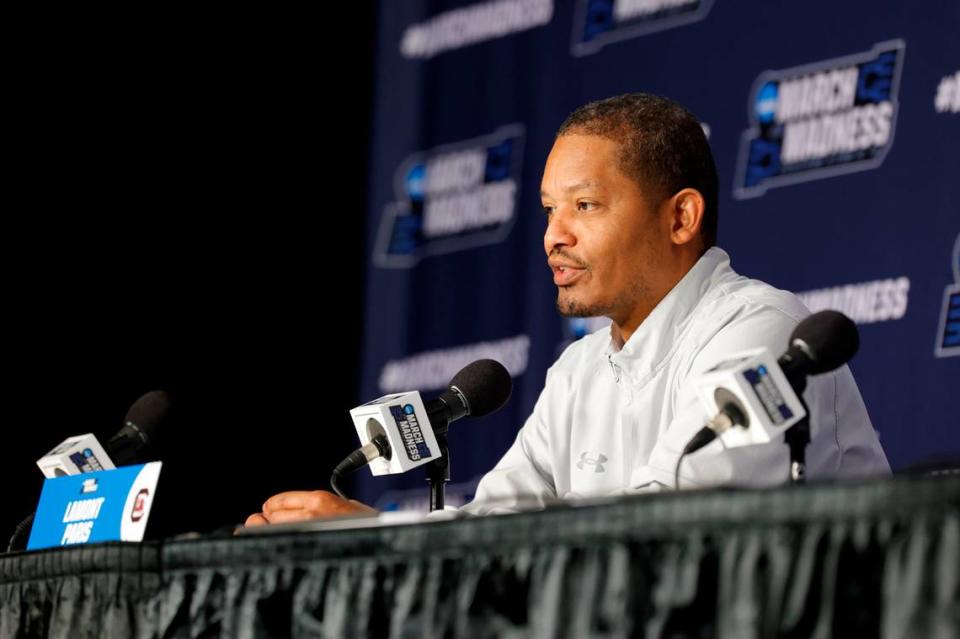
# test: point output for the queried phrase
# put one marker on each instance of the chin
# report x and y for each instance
(575, 308)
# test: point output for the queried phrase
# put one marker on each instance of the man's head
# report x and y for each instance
(630, 193)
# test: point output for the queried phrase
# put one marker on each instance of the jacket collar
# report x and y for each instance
(658, 335)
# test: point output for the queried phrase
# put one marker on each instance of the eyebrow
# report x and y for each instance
(576, 187)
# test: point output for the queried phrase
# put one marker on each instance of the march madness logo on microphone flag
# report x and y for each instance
(413, 443)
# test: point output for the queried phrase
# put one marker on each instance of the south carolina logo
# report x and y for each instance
(139, 505)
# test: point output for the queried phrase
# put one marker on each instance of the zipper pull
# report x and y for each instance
(615, 368)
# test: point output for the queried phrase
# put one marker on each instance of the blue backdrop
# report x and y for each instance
(835, 128)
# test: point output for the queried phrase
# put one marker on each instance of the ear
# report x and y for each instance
(686, 216)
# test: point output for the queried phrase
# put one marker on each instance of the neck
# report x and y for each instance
(621, 330)
(624, 327)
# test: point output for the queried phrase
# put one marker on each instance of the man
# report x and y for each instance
(629, 191)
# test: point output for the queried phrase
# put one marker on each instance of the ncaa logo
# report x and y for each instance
(767, 102)
(948, 336)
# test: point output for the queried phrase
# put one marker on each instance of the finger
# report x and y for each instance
(286, 516)
(256, 519)
(291, 500)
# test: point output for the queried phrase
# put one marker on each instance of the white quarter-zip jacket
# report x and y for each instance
(612, 421)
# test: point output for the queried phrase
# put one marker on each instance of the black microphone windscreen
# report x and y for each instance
(485, 384)
(148, 412)
(831, 337)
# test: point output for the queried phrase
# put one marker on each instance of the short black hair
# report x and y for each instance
(662, 146)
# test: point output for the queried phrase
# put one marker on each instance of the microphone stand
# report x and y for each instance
(797, 439)
(438, 471)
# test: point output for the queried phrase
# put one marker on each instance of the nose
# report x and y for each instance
(559, 233)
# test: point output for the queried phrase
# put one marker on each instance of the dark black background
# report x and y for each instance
(185, 211)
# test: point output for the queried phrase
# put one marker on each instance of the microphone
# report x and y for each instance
(731, 413)
(75, 455)
(139, 427)
(84, 454)
(399, 431)
(763, 397)
(820, 343)
(480, 388)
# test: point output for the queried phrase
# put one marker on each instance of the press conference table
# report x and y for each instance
(863, 559)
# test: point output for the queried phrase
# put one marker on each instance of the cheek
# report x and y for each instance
(624, 264)
(619, 254)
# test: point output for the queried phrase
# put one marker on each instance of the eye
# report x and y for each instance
(585, 206)
(547, 210)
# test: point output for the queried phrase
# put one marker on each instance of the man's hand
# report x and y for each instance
(301, 505)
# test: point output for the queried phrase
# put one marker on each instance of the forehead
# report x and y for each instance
(582, 161)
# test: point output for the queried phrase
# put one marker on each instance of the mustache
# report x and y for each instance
(570, 258)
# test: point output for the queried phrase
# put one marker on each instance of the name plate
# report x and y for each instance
(107, 505)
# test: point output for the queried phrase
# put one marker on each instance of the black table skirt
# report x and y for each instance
(834, 560)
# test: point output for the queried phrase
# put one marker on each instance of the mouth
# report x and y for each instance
(566, 275)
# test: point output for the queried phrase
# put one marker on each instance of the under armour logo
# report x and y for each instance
(596, 462)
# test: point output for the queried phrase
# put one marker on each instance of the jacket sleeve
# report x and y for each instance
(523, 478)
